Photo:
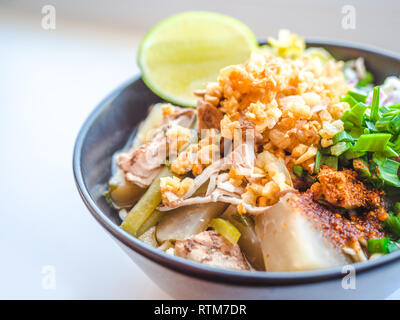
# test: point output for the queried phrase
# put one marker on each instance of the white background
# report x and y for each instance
(51, 80)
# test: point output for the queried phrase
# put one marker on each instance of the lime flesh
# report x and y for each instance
(183, 52)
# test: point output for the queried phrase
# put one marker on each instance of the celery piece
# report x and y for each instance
(151, 221)
(226, 229)
(146, 205)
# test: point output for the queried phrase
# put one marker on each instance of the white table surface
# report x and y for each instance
(50, 81)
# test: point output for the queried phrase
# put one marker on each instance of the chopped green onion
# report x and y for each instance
(371, 126)
(390, 153)
(393, 246)
(350, 100)
(372, 142)
(387, 171)
(375, 105)
(321, 159)
(298, 170)
(366, 80)
(396, 208)
(339, 148)
(378, 245)
(356, 132)
(392, 224)
(347, 124)
(342, 136)
(360, 97)
(226, 229)
(355, 114)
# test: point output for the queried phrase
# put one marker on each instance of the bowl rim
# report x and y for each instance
(197, 270)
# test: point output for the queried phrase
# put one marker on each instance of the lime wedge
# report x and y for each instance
(182, 52)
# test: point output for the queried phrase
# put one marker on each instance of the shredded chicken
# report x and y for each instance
(143, 164)
(212, 249)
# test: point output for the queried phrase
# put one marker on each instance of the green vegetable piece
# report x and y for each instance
(342, 136)
(366, 80)
(375, 105)
(356, 132)
(371, 126)
(393, 246)
(225, 229)
(350, 100)
(352, 154)
(145, 206)
(357, 113)
(384, 124)
(358, 96)
(347, 124)
(378, 245)
(372, 142)
(151, 221)
(392, 224)
(387, 171)
(390, 153)
(340, 148)
(396, 208)
(298, 170)
(321, 159)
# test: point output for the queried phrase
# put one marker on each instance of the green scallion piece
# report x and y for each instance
(387, 171)
(396, 208)
(392, 224)
(353, 154)
(372, 142)
(375, 105)
(393, 246)
(366, 80)
(342, 136)
(340, 148)
(358, 96)
(371, 126)
(350, 100)
(390, 153)
(321, 159)
(378, 245)
(298, 171)
(356, 114)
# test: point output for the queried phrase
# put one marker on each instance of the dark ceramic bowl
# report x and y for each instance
(107, 130)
